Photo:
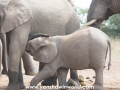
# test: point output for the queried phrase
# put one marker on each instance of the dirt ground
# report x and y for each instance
(111, 77)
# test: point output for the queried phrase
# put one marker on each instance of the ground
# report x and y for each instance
(111, 77)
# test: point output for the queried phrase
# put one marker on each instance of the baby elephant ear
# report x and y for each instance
(48, 53)
(16, 13)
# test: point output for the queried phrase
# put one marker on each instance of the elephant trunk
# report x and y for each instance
(97, 11)
(32, 36)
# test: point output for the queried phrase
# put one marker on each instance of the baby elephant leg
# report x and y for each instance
(62, 74)
(98, 85)
(48, 71)
(49, 81)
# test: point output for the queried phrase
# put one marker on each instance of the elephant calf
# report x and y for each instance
(84, 49)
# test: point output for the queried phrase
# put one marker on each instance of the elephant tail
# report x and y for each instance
(109, 46)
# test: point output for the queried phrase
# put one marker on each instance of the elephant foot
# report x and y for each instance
(50, 81)
(71, 82)
(22, 86)
(32, 89)
(64, 89)
(4, 72)
(31, 72)
(97, 87)
(13, 87)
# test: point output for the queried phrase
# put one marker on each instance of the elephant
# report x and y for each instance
(28, 66)
(19, 18)
(85, 48)
(101, 10)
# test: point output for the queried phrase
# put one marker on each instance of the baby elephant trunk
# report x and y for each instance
(32, 36)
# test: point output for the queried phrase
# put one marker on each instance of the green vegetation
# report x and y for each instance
(111, 27)
(82, 14)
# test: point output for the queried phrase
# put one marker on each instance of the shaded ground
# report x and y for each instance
(111, 77)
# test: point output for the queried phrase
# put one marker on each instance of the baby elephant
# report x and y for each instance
(86, 48)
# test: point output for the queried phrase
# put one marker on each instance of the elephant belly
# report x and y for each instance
(77, 61)
(52, 18)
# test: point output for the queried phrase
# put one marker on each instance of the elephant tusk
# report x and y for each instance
(90, 23)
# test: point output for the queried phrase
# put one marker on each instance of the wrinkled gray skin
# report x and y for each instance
(27, 61)
(67, 51)
(102, 10)
(19, 18)
(29, 67)
(0, 55)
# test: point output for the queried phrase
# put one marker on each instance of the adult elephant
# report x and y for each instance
(101, 10)
(27, 59)
(19, 18)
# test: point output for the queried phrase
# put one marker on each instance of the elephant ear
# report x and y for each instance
(17, 13)
(47, 52)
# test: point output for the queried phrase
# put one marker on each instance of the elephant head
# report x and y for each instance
(101, 10)
(42, 49)
(13, 13)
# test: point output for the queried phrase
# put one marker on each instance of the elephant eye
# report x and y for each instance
(30, 46)
(40, 48)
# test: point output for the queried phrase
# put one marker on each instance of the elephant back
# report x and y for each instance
(52, 17)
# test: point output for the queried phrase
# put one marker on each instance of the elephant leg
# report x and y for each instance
(48, 71)
(62, 74)
(0, 56)
(74, 76)
(28, 64)
(41, 66)
(18, 39)
(4, 54)
(5, 67)
(98, 85)
(20, 77)
(49, 81)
